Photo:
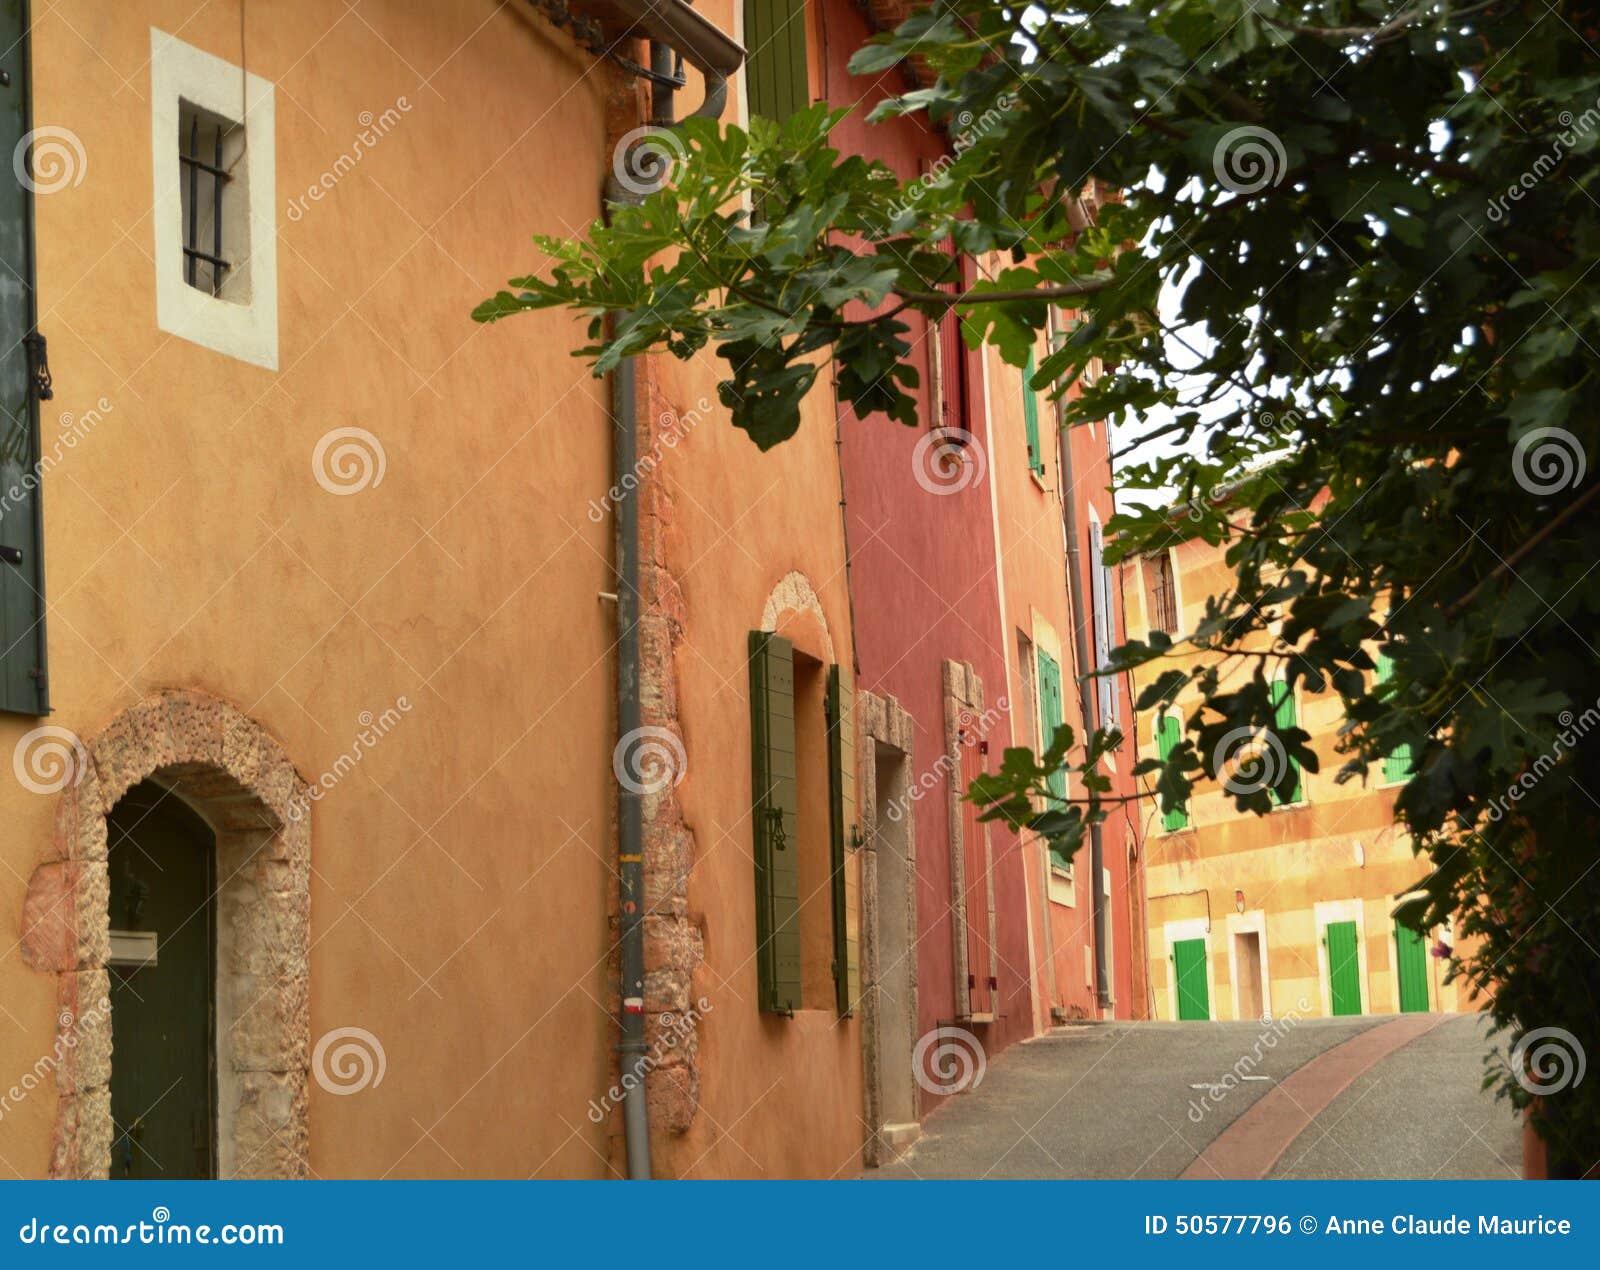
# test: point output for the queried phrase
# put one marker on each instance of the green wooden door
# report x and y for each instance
(1344, 967)
(162, 862)
(1411, 967)
(22, 606)
(1189, 969)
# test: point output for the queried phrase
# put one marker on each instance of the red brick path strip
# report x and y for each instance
(1250, 1146)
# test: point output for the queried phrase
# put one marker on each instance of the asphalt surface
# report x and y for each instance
(1418, 1113)
(1141, 1100)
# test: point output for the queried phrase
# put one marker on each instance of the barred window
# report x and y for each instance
(214, 222)
(1161, 596)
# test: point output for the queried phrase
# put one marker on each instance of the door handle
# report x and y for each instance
(11, 555)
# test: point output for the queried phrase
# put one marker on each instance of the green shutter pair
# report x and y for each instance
(1169, 732)
(1030, 418)
(1397, 763)
(775, 812)
(775, 72)
(1284, 719)
(22, 607)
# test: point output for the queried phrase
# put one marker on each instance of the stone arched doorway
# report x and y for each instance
(226, 767)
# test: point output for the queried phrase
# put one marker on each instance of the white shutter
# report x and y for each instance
(1100, 586)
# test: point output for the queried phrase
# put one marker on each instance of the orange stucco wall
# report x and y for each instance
(460, 870)
(777, 1097)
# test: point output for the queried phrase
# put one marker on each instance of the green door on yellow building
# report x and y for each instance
(1189, 972)
(1344, 968)
(1411, 969)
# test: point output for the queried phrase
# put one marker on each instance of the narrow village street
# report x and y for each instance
(1371, 1097)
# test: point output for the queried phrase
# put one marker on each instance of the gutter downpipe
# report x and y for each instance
(1087, 703)
(685, 32)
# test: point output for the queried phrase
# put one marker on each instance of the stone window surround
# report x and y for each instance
(240, 781)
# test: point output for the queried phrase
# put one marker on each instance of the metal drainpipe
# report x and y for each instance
(1086, 690)
(630, 805)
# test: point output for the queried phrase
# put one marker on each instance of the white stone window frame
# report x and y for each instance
(181, 73)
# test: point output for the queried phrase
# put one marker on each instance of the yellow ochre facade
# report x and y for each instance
(1291, 910)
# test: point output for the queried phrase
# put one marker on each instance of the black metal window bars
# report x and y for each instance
(195, 166)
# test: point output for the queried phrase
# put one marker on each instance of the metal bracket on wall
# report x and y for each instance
(39, 364)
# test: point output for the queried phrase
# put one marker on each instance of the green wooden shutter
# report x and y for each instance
(1030, 418)
(776, 83)
(1051, 718)
(1344, 967)
(1397, 763)
(1189, 968)
(23, 685)
(773, 812)
(1411, 969)
(1284, 718)
(1169, 732)
(842, 823)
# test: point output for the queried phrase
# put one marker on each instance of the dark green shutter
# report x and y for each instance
(1189, 969)
(1285, 718)
(1169, 732)
(1030, 418)
(773, 809)
(22, 651)
(1051, 718)
(1411, 969)
(1344, 967)
(1397, 764)
(842, 825)
(776, 84)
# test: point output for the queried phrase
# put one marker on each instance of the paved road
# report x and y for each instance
(1144, 1100)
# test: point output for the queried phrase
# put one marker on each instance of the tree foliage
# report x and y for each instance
(1376, 225)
